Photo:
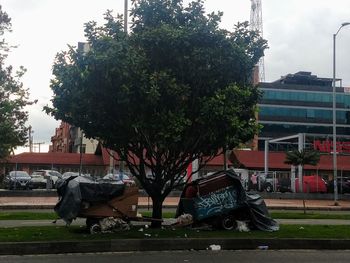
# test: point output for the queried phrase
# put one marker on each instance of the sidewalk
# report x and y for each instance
(172, 202)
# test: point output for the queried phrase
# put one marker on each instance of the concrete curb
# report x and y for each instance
(122, 245)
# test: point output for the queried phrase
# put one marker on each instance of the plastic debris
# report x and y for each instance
(141, 230)
(242, 226)
(184, 220)
(111, 224)
(215, 247)
(147, 235)
(301, 228)
(263, 247)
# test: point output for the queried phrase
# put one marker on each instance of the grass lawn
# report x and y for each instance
(55, 233)
(27, 215)
(60, 233)
(274, 214)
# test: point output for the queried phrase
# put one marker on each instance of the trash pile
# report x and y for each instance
(220, 201)
(215, 202)
(96, 200)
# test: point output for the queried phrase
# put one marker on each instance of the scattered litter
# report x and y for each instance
(301, 228)
(242, 226)
(146, 226)
(184, 220)
(263, 247)
(141, 230)
(111, 224)
(147, 235)
(185, 235)
(215, 247)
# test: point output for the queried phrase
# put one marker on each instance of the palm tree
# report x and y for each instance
(302, 158)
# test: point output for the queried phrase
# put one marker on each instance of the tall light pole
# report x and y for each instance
(335, 175)
(126, 16)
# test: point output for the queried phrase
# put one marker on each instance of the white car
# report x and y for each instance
(119, 177)
(51, 174)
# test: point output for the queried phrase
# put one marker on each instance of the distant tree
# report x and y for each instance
(13, 98)
(176, 89)
(303, 157)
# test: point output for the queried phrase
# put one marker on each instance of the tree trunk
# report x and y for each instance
(300, 177)
(157, 203)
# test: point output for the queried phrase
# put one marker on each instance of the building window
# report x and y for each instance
(310, 113)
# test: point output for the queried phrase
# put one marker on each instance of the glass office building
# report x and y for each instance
(302, 103)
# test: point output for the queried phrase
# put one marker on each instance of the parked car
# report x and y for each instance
(119, 177)
(267, 182)
(74, 174)
(285, 185)
(312, 184)
(17, 180)
(48, 174)
(343, 185)
(37, 181)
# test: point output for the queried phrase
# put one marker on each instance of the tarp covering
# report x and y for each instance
(260, 216)
(75, 190)
(222, 194)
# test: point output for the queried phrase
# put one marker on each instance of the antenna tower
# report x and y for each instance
(256, 24)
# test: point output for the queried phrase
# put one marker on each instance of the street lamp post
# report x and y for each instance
(335, 176)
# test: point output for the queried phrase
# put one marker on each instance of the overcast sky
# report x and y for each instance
(299, 34)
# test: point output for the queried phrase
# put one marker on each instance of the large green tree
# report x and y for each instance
(175, 89)
(13, 97)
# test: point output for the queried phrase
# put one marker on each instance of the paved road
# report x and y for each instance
(290, 256)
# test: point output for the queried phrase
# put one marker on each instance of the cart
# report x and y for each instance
(104, 203)
(221, 201)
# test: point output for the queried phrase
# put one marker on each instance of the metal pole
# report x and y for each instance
(126, 16)
(225, 158)
(334, 146)
(81, 153)
(266, 157)
(111, 162)
(300, 167)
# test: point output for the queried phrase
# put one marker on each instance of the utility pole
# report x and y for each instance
(126, 16)
(121, 162)
(30, 138)
(81, 152)
(38, 143)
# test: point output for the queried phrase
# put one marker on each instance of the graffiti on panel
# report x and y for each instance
(216, 203)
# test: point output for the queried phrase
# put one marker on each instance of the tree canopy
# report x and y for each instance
(13, 97)
(175, 89)
(302, 157)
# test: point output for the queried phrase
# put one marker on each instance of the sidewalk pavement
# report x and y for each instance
(172, 202)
